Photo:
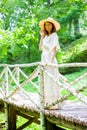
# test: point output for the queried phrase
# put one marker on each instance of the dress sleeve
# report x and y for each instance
(55, 42)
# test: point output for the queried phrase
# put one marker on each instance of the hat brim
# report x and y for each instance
(55, 23)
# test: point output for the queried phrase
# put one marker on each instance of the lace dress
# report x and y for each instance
(51, 90)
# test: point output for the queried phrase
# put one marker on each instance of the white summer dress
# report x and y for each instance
(51, 89)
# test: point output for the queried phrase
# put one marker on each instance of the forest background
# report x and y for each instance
(19, 32)
(19, 29)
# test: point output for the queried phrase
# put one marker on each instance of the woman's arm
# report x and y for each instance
(53, 53)
(41, 43)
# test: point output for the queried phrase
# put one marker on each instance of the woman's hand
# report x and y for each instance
(42, 33)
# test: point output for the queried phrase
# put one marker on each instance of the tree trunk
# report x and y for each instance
(76, 27)
(70, 27)
(49, 2)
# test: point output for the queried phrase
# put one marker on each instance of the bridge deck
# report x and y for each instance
(72, 115)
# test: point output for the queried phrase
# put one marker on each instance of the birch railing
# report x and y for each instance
(16, 77)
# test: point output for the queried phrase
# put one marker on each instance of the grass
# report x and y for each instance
(33, 126)
(30, 88)
(82, 82)
(74, 52)
(1, 117)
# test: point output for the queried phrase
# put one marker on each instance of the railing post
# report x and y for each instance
(41, 95)
(6, 94)
(18, 75)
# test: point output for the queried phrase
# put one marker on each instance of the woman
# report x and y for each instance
(49, 45)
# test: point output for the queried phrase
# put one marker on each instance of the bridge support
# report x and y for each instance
(11, 118)
(51, 126)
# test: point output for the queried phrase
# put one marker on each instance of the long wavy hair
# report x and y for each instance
(52, 31)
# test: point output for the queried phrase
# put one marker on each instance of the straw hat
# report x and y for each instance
(51, 20)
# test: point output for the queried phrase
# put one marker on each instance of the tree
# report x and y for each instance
(22, 22)
(68, 13)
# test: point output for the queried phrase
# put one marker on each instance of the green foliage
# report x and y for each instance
(21, 45)
(30, 88)
(5, 44)
(19, 34)
(26, 39)
(75, 52)
(72, 51)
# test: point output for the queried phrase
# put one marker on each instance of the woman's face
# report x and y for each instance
(48, 26)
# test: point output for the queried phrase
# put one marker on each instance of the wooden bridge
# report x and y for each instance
(15, 100)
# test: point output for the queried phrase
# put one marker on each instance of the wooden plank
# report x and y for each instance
(28, 116)
(66, 124)
(23, 115)
(67, 117)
